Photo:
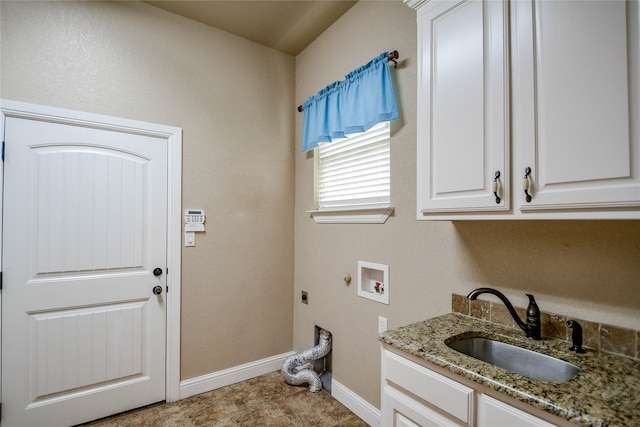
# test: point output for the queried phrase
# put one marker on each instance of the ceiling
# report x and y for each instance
(287, 26)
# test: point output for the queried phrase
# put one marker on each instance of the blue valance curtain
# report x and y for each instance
(364, 98)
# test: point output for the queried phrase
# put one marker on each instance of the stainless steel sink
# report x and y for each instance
(525, 362)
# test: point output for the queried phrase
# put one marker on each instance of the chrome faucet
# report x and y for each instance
(533, 325)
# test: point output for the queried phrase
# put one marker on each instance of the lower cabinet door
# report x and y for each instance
(452, 399)
(494, 413)
(400, 410)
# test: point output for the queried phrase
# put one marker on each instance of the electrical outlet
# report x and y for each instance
(304, 298)
(382, 324)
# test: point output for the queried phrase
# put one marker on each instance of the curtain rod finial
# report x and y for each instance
(300, 108)
(393, 56)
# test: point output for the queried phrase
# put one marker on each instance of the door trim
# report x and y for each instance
(173, 136)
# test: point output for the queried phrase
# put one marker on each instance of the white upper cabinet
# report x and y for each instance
(575, 104)
(574, 75)
(462, 108)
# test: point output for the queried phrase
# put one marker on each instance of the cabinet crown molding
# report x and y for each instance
(415, 4)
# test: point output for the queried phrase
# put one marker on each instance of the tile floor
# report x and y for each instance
(263, 401)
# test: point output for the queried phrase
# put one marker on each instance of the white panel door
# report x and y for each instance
(463, 139)
(576, 103)
(85, 225)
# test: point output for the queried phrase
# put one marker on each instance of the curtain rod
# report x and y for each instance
(393, 56)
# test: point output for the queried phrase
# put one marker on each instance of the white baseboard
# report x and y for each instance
(369, 413)
(215, 380)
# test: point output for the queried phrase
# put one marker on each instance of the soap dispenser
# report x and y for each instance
(533, 316)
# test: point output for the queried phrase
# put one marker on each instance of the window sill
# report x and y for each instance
(352, 216)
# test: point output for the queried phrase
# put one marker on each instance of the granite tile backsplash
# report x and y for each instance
(607, 338)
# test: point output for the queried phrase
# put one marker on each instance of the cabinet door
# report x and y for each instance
(400, 410)
(449, 396)
(494, 413)
(462, 107)
(576, 104)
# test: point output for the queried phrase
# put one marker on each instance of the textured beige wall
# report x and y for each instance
(586, 269)
(234, 101)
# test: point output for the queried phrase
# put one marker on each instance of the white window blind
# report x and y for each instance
(354, 172)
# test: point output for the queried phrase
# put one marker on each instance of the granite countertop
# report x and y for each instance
(605, 393)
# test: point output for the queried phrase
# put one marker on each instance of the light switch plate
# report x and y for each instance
(382, 324)
(189, 238)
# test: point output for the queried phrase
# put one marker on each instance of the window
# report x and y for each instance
(352, 177)
(354, 171)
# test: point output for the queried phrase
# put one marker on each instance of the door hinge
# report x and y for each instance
(2, 151)
(0, 290)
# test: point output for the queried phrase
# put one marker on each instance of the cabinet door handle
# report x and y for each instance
(495, 187)
(525, 184)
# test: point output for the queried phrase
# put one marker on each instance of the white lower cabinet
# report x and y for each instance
(433, 399)
(414, 395)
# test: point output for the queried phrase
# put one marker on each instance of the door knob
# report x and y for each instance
(157, 271)
(157, 290)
